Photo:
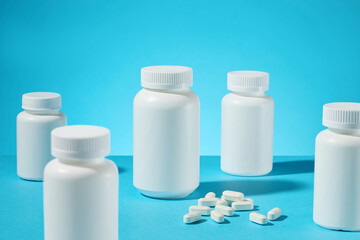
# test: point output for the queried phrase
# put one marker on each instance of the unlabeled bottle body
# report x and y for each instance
(337, 169)
(81, 186)
(33, 130)
(166, 138)
(247, 120)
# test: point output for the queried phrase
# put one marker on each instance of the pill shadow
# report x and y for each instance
(293, 165)
(268, 224)
(225, 221)
(281, 218)
(250, 187)
(198, 222)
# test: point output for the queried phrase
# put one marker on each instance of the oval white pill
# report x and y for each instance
(258, 218)
(192, 217)
(228, 211)
(210, 202)
(223, 198)
(243, 205)
(210, 195)
(217, 216)
(274, 213)
(224, 202)
(233, 196)
(204, 210)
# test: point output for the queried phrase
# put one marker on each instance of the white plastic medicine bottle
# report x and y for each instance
(81, 187)
(247, 120)
(33, 129)
(337, 168)
(166, 133)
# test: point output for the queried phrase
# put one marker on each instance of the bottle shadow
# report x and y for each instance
(284, 165)
(250, 187)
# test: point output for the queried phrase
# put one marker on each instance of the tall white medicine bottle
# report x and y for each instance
(166, 133)
(247, 120)
(81, 187)
(337, 168)
(33, 130)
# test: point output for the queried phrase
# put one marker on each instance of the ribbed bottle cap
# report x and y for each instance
(248, 81)
(80, 141)
(40, 101)
(166, 77)
(342, 115)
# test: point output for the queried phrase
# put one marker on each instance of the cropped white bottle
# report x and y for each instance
(247, 120)
(81, 187)
(166, 133)
(33, 129)
(337, 168)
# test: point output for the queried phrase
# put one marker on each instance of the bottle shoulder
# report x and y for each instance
(57, 169)
(175, 98)
(236, 99)
(27, 117)
(331, 138)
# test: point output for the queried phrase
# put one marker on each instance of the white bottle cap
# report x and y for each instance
(40, 101)
(166, 77)
(342, 115)
(80, 141)
(248, 81)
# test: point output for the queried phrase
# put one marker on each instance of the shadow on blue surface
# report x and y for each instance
(283, 165)
(281, 218)
(225, 221)
(198, 222)
(251, 187)
(293, 165)
(268, 224)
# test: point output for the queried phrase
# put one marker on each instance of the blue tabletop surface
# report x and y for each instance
(289, 186)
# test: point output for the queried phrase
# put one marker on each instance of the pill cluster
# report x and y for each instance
(229, 202)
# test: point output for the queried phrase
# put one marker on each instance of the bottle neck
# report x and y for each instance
(250, 94)
(81, 161)
(176, 90)
(43, 112)
(350, 132)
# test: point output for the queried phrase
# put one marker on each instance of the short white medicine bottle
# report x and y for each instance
(337, 168)
(247, 120)
(166, 133)
(81, 187)
(33, 130)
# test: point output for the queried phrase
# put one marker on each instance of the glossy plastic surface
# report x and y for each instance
(337, 181)
(81, 200)
(33, 142)
(247, 123)
(166, 142)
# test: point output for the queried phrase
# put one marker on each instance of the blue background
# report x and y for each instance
(92, 51)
